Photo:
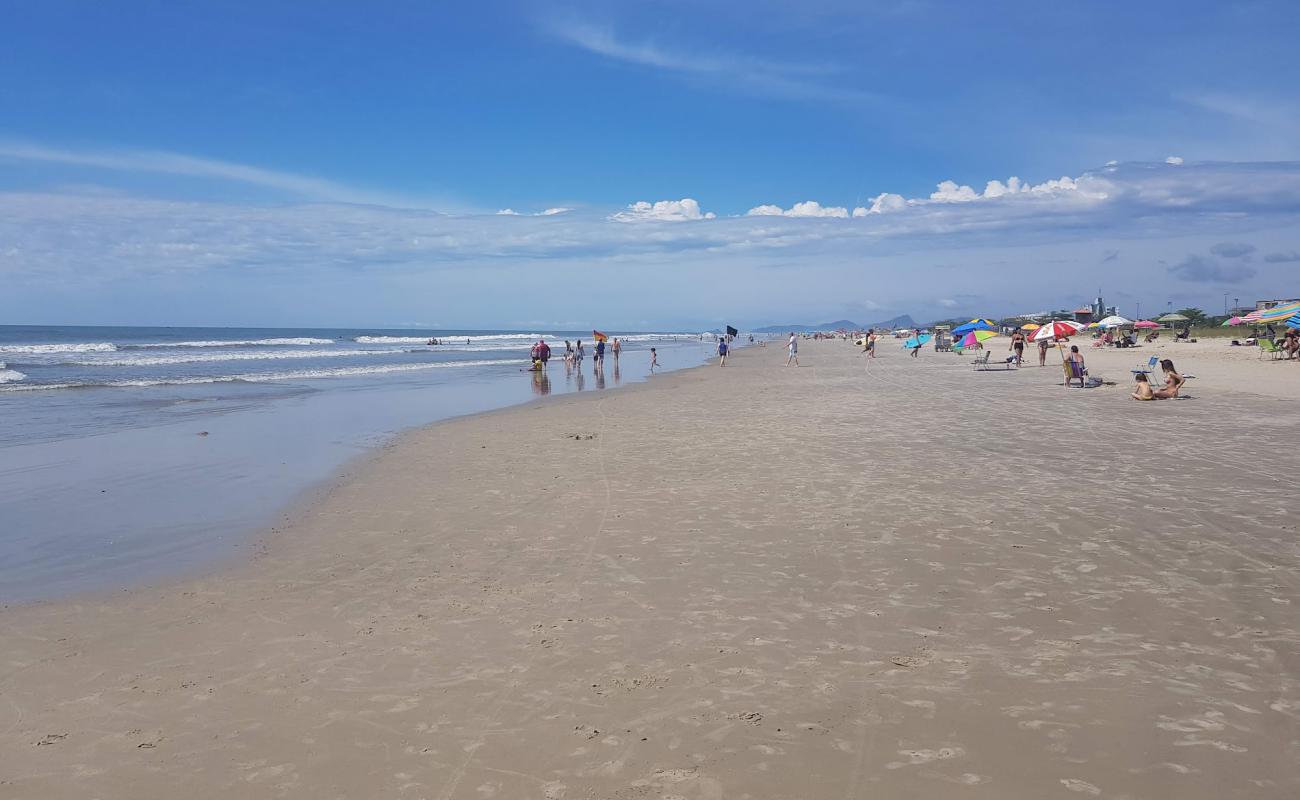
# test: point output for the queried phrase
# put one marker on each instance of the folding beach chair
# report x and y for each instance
(1150, 367)
(1074, 371)
(982, 360)
(1269, 347)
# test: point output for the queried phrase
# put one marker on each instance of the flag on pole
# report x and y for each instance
(598, 336)
(732, 331)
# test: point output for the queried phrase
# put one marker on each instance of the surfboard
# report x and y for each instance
(917, 341)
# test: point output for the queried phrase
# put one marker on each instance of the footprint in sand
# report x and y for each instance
(1076, 785)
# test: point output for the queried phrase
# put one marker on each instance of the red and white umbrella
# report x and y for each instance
(1056, 329)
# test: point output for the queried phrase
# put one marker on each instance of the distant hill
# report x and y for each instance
(903, 321)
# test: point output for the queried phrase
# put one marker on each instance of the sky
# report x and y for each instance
(662, 164)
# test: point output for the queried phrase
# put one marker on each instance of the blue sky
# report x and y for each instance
(293, 163)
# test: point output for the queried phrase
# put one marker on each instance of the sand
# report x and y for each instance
(895, 579)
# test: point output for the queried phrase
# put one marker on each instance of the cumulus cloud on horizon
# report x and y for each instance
(1155, 212)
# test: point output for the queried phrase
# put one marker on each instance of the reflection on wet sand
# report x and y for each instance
(541, 383)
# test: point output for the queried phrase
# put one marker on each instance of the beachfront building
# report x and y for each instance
(1265, 305)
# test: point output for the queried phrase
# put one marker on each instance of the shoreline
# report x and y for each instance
(147, 502)
(751, 581)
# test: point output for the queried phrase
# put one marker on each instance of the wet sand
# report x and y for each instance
(889, 579)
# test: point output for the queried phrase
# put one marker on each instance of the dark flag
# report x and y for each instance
(732, 331)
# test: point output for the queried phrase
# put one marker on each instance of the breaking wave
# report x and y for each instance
(262, 377)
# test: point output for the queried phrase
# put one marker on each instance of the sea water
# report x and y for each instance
(128, 454)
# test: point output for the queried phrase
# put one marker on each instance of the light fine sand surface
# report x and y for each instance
(896, 578)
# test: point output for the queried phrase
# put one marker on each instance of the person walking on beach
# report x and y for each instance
(794, 351)
(617, 348)
(872, 340)
(599, 359)
(722, 352)
(568, 353)
(1042, 352)
(1018, 346)
(654, 359)
(543, 351)
(578, 352)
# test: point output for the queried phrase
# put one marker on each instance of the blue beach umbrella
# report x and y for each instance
(974, 325)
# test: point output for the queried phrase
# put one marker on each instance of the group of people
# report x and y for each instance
(1173, 383)
(575, 352)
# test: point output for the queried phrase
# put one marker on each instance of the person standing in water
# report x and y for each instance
(617, 348)
(654, 359)
(578, 352)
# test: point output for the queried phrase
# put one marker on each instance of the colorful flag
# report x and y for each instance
(598, 336)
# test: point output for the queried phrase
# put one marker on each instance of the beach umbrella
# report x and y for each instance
(1146, 323)
(1062, 329)
(1171, 318)
(970, 339)
(1030, 326)
(1294, 322)
(1114, 321)
(1277, 314)
(975, 325)
(1232, 321)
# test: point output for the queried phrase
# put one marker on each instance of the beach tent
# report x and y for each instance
(1114, 321)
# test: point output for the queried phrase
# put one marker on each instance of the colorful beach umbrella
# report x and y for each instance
(1277, 314)
(975, 325)
(1231, 321)
(1146, 323)
(1030, 326)
(1294, 322)
(1055, 329)
(970, 339)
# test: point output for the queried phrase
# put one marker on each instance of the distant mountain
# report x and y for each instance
(903, 321)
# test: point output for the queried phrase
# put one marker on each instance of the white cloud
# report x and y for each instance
(1176, 161)
(683, 210)
(947, 302)
(550, 212)
(804, 82)
(809, 208)
(507, 212)
(160, 162)
(884, 202)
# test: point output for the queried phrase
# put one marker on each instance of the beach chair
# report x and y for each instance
(1074, 371)
(982, 360)
(1150, 367)
(1269, 347)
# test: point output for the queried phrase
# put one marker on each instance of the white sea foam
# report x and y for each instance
(302, 340)
(198, 358)
(262, 377)
(451, 340)
(79, 347)
(9, 375)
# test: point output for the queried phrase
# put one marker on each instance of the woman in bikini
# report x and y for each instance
(1173, 381)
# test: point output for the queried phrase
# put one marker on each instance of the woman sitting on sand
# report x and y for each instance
(1173, 381)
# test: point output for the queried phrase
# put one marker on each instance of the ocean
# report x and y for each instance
(129, 454)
